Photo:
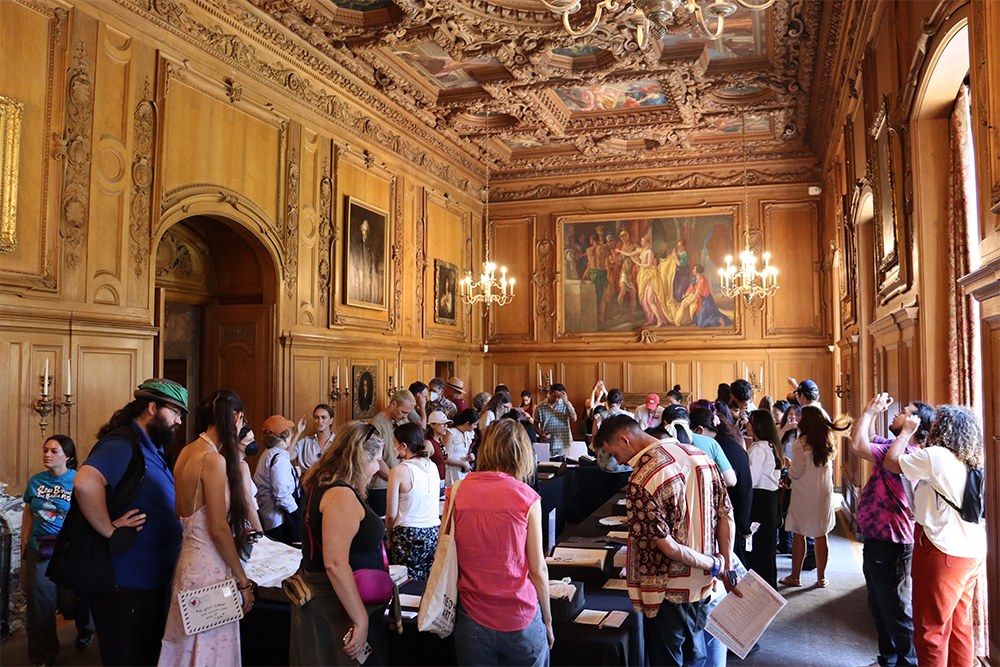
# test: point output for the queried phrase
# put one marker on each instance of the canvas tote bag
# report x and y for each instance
(440, 600)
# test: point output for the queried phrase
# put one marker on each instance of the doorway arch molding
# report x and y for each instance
(215, 200)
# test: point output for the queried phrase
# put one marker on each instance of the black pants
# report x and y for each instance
(887, 574)
(130, 624)
(675, 636)
(761, 559)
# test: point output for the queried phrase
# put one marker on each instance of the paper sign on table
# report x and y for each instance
(738, 622)
(407, 600)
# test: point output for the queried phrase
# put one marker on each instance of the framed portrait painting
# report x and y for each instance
(637, 272)
(365, 402)
(445, 293)
(366, 258)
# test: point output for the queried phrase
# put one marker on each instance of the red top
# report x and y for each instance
(438, 456)
(491, 533)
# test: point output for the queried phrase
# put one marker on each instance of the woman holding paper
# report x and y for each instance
(767, 460)
(216, 530)
(340, 535)
(503, 583)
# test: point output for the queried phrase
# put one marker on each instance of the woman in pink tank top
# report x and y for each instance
(503, 590)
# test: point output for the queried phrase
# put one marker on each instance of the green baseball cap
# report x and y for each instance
(164, 391)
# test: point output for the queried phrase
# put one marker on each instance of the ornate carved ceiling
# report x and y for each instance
(503, 80)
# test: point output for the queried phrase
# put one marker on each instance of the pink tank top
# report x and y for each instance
(491, 532)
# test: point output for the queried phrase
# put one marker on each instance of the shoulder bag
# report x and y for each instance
(81, 557)
(440, 600)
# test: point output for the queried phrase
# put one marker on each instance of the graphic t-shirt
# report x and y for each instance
(48, 497)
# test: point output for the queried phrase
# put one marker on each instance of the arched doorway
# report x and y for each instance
(215, 297)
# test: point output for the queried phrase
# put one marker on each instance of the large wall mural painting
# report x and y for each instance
(635, 273)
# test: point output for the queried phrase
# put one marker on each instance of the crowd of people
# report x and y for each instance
(712, 484)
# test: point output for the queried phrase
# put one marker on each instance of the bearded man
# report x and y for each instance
(145, 541)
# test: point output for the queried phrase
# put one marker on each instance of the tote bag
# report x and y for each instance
(440, 600)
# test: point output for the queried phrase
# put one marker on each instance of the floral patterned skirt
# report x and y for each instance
(414, 548)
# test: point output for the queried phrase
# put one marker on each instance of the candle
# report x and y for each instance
(760, 378)
(45, 391)
(539, 377)
(404, 376)
(69, 376)
(347, 380)
(550, 377)
(512, 287)
(338, 375)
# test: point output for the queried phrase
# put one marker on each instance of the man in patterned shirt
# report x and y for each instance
(553, 418)
(887, 528)
(437, 402)
(680, 537)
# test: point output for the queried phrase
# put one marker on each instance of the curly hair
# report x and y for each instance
(958, 430)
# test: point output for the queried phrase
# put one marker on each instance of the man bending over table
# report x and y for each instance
(680, 537)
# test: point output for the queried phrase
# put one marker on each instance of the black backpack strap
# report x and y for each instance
(123, 493)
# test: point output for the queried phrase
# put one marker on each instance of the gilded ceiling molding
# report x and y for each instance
(74, 148)
(696, 180)
(140, 213)
(233, 48)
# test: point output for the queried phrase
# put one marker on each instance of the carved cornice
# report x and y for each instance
(608, 186)
(233, 48)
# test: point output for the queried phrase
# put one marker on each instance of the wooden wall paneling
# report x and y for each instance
(709, 374)
(791, 232)
(311, 237)
(409, 370)
(414, 257)
(198, 114)
(645, 376)
(361, 176)
(41, 33)
(513, 247)
(15, 369)
(105, 372)
(108, 261)
(579, 378)
(516, 376)
(310, 385)
(806, 364)
(447, 226)
(682, 373)
(613, 374)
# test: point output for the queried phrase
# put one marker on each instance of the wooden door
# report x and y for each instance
(237, 355)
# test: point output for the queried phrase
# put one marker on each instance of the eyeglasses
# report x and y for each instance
(173, 411)
(371, 432)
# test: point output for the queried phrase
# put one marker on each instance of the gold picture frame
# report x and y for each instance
(366, 256)
(11, 112)
(446, 302)
(364, 404)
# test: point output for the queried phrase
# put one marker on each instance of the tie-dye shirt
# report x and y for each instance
(883, 508)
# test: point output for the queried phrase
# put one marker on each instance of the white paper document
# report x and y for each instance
(612, 619)
(407, 600)
(272, 562)
(739, 622)
(584, 557)
(622, 534)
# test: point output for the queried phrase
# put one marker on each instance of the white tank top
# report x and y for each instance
(418, 507)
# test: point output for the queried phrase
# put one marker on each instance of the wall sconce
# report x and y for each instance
(843, 390)
(45, 405)
(755, 380)
(336, 393)
(544, 382)
(392, 384)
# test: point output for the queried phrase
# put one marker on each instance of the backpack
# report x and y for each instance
(81, 559)
(971, 510)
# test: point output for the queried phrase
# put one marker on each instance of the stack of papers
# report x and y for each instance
(739, 622)
(582, 557)
(272, 562)
(399, 574)
(612, 619)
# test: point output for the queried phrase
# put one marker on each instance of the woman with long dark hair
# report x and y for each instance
(411, 515)
(811, 513)
(767, 460)
(212, 505)
(46, 502)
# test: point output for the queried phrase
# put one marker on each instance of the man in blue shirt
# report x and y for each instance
(130, 620)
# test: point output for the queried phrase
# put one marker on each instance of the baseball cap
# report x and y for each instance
(438, 417)
(164, 391)
(652, 400)
(276, 424)
(809, 389)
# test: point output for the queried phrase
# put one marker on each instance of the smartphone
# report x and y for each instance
(366, 650)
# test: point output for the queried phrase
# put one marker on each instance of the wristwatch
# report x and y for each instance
(732, 577)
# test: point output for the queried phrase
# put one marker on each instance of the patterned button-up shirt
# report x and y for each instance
(444, 405)
(555, 420)
(675, 490)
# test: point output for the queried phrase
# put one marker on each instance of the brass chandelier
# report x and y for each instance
(651, 17)
(488, 290)
(747, 281)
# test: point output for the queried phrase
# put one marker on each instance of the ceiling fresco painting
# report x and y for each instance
(503, 81)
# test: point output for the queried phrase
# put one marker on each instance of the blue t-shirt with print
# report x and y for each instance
(47, 497)
(149, 563)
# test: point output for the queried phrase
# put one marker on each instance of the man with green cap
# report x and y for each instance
(145, 540)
